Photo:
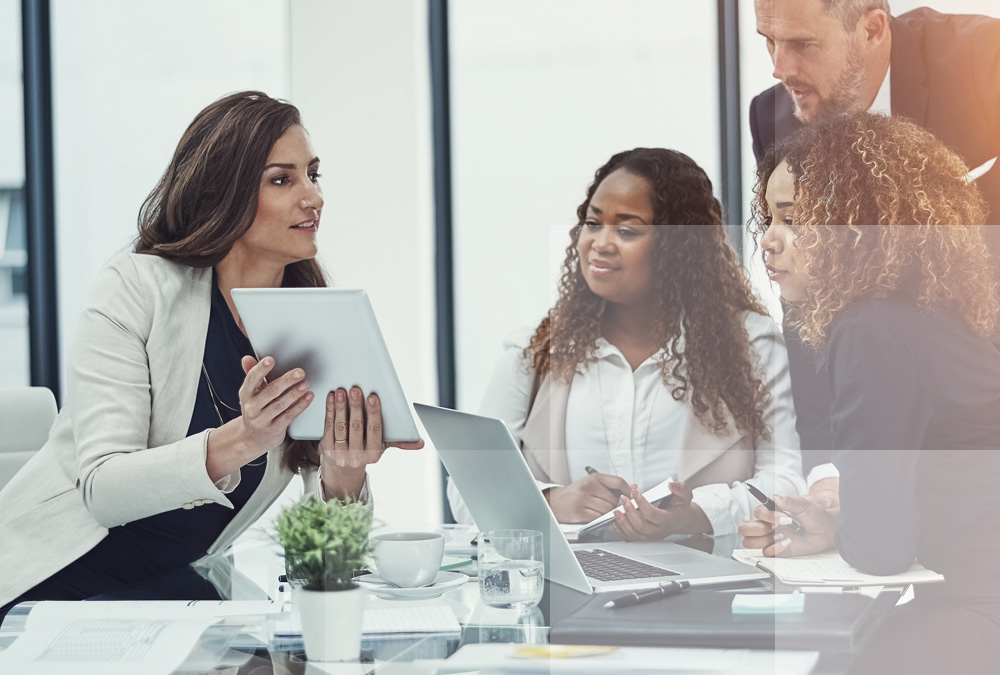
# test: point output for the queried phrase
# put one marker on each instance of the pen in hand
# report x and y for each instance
(640, 597)
(769, 504)
(591, 470)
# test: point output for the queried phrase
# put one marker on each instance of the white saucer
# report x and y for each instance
(443, 582)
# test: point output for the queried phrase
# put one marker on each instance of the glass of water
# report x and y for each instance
(511, 568)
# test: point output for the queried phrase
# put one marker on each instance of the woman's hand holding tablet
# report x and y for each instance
(352, 439)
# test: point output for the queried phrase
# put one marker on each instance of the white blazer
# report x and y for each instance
(118, 450)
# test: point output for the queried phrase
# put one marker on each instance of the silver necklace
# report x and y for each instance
(214, 396)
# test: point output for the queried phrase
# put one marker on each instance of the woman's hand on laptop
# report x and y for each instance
(645, 522)
(770, 532)
(590, 497)
(352, 439)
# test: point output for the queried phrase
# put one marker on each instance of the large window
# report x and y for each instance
(542, 94)
(14, 363)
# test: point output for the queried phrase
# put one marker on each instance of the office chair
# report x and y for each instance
(26, 415)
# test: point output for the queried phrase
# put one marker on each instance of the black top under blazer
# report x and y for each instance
(915, 420)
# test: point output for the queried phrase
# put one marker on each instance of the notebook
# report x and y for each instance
(829, 569)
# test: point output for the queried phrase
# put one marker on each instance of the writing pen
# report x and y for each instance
(640, 597)
(591, 470)
(771, 506)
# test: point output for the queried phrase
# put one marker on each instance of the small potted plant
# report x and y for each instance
(325, 543)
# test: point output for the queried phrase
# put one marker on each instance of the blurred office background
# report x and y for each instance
(540, 93)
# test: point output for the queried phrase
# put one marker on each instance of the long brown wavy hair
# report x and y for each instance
(881, 208)
(700, 292)
(207, 199)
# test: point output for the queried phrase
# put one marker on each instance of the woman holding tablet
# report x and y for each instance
(657, 361)
(873, 233)
(173, 437)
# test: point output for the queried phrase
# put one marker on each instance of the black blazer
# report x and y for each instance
(915, 420)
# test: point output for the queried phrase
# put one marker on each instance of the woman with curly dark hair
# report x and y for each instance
(873, 232)
(656, 362)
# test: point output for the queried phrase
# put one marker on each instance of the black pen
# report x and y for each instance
(640, 597)
(771, 506)
(591, 470)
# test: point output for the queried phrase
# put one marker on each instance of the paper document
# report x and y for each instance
(829, 569)
(392, 620)
(378, 621)
(103, 646)
(150, 609)
(652, 495)
(504, 658)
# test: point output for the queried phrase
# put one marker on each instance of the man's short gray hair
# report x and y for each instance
(850, 11)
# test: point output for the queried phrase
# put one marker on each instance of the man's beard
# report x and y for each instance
(844, 97)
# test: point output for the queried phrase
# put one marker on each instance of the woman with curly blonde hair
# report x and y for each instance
(656, 362)
(873, 233)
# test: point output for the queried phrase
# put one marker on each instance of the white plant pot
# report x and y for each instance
(331, 623)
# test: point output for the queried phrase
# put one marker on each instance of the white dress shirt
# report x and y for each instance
(628, 424)
(882, 105)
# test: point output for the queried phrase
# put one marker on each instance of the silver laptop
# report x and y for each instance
(497, 486)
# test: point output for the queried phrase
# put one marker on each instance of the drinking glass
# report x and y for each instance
(511, 568)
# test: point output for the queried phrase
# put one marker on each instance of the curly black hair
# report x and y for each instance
(700, 292)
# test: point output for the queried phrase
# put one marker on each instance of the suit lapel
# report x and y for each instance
(544, 433)
(175, 362)
(909, 74)
(702, 446)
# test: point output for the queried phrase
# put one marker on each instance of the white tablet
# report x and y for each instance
(332, 334)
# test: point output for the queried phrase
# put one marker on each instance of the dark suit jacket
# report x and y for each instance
(946, 78)
(915, 420)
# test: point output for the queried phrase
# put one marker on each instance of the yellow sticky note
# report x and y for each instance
(562, 651)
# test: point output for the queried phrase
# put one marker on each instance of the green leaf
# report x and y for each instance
(325, 542)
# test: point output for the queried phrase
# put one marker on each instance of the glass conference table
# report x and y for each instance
(251, 572)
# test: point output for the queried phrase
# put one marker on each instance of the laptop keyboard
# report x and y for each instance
(606, 566)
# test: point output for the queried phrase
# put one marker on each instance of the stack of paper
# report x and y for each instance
(377, 622)
(829, 569)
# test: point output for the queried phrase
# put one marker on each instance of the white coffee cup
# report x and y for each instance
(409, 559)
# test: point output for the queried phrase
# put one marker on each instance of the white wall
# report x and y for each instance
(543, 93)
(128, 78)
(360, 76)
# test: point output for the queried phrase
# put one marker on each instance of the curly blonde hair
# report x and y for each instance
(700, 290)
(881, 208)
